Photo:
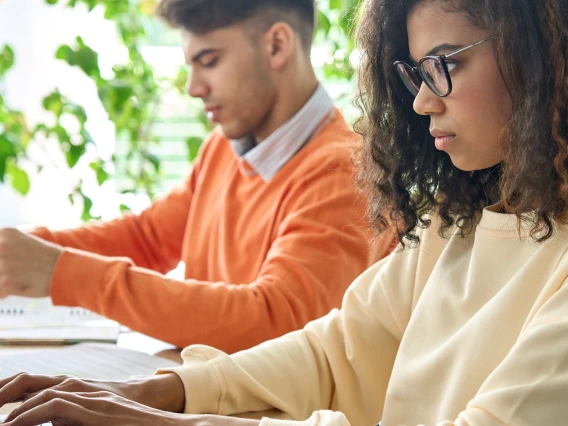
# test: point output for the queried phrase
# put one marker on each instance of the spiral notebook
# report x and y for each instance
(37, 321)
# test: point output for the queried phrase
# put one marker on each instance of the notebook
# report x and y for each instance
(37, 321)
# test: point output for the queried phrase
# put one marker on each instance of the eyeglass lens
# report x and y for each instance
(409, 78)
(434, 76)
(431, 71)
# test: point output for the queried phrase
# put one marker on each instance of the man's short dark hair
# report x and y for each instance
(202, 16)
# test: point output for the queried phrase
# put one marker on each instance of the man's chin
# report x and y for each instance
(232, 133)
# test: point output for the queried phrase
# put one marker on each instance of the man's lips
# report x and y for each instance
(213, 113)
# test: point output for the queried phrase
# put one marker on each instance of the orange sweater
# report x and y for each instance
(262, 258)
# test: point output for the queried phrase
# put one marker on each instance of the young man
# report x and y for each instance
(268, 223)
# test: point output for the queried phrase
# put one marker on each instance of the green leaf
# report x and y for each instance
(334, 4)
(87, 59)
(62, 136)
(324, 24)
(19, 178)
(54, 103)
(64, 53)
(74, 154)
(7, 151)
(193, 143)
(82, 56)
(102, 175)
(7, 59)
(180, 82)
(87, 205)
(78, 111)
(152, 159)
(7, 146)
(116, 8)
(3, 164)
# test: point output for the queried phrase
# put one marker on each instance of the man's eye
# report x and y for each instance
(211, 63)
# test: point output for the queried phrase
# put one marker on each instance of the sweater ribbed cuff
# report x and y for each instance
(279, 422)
(318, 418)
(202, 387)
(76, 279)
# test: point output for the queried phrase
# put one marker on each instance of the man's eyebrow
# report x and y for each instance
(440, 49)
(202, 53)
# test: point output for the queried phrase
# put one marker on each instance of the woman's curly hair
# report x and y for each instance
(400, 167)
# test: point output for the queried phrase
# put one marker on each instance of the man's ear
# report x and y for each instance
(280, 43)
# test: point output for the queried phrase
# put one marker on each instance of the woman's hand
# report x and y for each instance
(104, 408)
(163, 392)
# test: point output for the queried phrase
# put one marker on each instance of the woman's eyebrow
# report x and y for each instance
(440, 49)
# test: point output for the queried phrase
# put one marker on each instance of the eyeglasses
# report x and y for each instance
(432, 70)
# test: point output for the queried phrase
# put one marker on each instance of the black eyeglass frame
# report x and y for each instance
(418, 70)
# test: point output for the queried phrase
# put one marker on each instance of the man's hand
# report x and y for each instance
(26, 264)
(105, 408)
(163, 392)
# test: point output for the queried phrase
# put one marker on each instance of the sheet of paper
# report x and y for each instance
(86, 360)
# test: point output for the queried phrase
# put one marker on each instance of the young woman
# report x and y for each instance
(466, 148)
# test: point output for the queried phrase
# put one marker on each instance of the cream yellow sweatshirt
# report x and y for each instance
(458, 331)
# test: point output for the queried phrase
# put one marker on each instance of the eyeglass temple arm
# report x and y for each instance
(467, 47)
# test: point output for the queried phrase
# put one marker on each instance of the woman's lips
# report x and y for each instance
(442, 142)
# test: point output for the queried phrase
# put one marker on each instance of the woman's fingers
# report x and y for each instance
(86, 400)
(17, 387)
(104, 408)
(60, 411)
(87, 409)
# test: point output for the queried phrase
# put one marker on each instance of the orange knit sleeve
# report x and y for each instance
(321, 246)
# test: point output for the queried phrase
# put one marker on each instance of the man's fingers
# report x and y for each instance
(14, 388)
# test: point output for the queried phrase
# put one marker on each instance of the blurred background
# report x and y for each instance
(94, 119)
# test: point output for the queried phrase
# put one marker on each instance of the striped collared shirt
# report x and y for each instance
(276, 150)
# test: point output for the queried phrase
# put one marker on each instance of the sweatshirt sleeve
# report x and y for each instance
(339, 363)
(321, 245)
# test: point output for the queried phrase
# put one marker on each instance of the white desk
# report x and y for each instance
(127, 340)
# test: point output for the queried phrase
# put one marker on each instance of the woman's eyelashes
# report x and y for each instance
(451, 65)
